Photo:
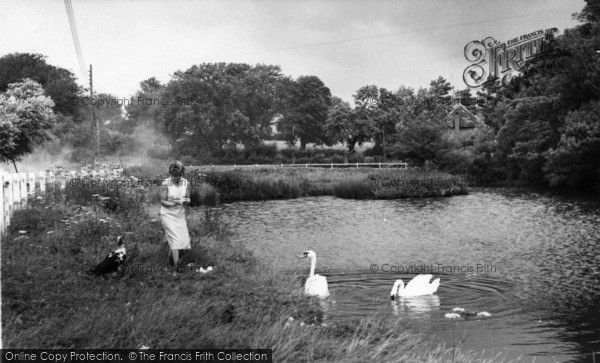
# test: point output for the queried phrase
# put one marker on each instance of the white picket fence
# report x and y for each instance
(14, 189)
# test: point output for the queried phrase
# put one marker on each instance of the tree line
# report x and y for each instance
(541, 127)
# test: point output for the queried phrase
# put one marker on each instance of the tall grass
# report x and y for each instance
(235, 186)
(411, 183)
(277, 183)
(226, 185)
(203, 194)
(353, 189)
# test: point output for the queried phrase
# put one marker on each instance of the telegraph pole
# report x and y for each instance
(93, 123)
(383, 143)
(383, 140)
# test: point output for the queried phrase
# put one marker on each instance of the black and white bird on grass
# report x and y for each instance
(112, 261)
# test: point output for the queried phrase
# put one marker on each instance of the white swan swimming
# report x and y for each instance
(316, 285)
(419, 285)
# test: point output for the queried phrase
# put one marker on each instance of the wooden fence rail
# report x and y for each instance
(308, 165)
(14, 189)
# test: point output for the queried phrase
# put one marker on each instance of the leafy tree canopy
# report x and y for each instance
(306, 103)
(220, 104)
(26, 116)
(58, 83)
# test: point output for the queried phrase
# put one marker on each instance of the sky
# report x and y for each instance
(347, 44)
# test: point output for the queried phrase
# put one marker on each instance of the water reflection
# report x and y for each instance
(416, 305)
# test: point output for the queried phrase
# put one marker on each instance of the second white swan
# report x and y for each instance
(418, 286)
(316, 285)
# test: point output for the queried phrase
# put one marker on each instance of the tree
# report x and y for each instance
(405, 92)
(26, 116)
(421, 137)
(367, 112)
(580, 69)
(367, 98)
(491, 100)
(58, 83)
(306, 104)
(420, 122)
(590, 12)
(528, 112)
(142, 110)
(384, 121)
(531, 128)
(466, 99)
(344, 126)
(108, 110)
(215, 105)
(439, 91)
(575, 161)
(339, 124)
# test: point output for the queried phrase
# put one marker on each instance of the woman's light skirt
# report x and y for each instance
(173, 221)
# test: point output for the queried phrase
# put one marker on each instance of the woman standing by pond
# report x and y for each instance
(174, 194)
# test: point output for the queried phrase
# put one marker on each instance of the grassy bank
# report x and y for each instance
(49, 301)
(287, 183)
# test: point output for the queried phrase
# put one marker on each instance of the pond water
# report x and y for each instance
(531, 259)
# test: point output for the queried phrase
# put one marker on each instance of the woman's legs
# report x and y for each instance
(175, 254)
(175, 257)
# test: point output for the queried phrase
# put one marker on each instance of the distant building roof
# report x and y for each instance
(467, 120)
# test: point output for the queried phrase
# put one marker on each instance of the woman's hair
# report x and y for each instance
(177, 169)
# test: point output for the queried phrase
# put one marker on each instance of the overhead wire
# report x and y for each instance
(75, 36)
(389, 34)
(282, 49)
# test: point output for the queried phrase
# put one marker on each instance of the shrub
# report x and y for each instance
(355, 158)
(319, 158)
(113, 142)
(288, 152)
(211, 196)
(487, 171)
(79, 155)
(204, 194)
(338, 159)
(153, 195)
(34, 220)
(159, 152)
(266, 150)
(284, 189)
(373, 151)
(303, 160)
(457, 161)
(233, 153)
(115, 197)
(155, 172)
(255, 190)
(188, 160)
(227, 183)
(259, 160)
